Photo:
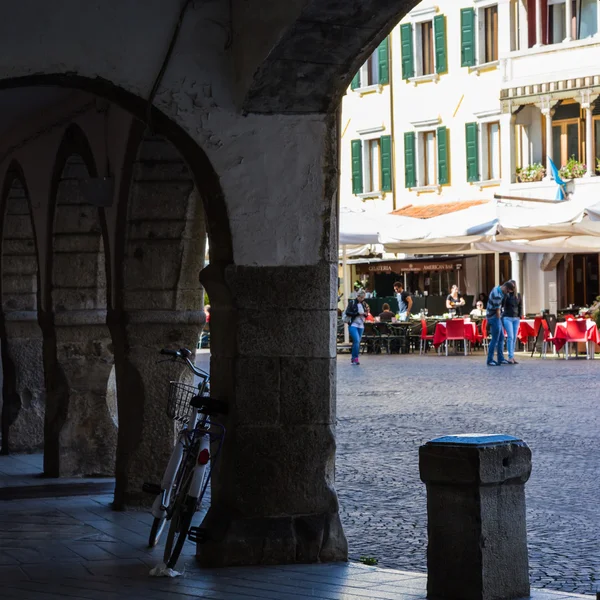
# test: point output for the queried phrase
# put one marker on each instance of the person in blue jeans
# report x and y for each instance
(357, 326)
(511, 317)
(494, 319)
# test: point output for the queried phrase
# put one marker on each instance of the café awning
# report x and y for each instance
(569, 226)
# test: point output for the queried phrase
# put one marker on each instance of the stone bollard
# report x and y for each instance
(477, 539)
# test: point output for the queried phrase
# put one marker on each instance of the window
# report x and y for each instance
(376, 71)
(565, 141)
(479, 35)
(490, 19)
(429, 158)
(427, 56)
(557, 21)
(483, 151)
(372, 165)
(583, 21)
(429, 38)
(493, 150)
(596, 140)
(371, 161)
(426, 158)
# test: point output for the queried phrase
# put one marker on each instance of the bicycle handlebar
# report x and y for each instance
(184, 354)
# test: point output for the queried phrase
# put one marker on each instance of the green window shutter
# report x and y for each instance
(410, 173)
(355, 81)
(467, 37)
(408, 58)
(385, 146)
(442, 152)
(383, 54)
(439, 31)
(357, 170)
(472, 137)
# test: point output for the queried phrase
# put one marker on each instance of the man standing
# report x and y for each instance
(494, 319)
(405, 301)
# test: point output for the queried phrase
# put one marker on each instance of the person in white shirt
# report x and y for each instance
(478, 311)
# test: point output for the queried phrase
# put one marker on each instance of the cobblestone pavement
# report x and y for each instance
(79, 549)
(390, 405)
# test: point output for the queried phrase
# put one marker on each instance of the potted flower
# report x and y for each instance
(573, 169)
(533, 172)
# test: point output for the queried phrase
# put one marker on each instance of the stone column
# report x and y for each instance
(568, 20)
(83, 430)
(590, 159)
(146, 433)
(477, 538)
(24, 394)
(274, 355)
(516, 269)
(538, 23)
(548, 113)
(507, 147)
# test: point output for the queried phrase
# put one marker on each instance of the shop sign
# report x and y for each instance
(420, 267)
(416, 267)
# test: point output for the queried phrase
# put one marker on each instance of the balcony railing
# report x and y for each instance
(566, 61)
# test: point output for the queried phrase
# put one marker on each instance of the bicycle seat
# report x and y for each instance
(209, 406)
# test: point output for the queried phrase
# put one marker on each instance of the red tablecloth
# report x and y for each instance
(439, 335)
(561, 335)
(528, 328)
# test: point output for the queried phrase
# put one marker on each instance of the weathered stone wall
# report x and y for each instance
(158, 304)
(81, 433)
(23, 375)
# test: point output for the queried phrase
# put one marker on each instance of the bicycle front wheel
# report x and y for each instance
(178, 530)
(158, 526)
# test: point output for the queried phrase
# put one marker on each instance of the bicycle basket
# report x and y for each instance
(180, 396)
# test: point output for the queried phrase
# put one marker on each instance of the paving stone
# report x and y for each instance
(392, 404)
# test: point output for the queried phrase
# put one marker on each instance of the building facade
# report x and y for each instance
(482, 97)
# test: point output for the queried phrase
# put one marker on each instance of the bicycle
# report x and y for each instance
(189, 469)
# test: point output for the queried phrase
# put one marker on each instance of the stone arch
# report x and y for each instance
(203, 172)
(158, 300)
(23, 392)
(80, 431)
(322, 43)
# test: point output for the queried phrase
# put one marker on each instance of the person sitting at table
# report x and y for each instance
(478, 311)
(368, 316)
(386, 315)
(455, 300)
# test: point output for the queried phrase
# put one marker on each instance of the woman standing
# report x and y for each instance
(511, 317)
(357, 326)
(455, 300)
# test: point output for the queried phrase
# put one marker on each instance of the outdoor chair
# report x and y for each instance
(370, 340)
(577, 332)
(548, 338)
(425, 338)
(485, 337)
(383, 331)
(455, 331)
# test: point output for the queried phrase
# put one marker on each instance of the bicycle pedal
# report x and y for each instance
(151, 488)
(198, 535)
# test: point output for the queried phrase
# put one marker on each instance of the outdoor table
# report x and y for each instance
(529, 328)
(439, 336)
(561, 336)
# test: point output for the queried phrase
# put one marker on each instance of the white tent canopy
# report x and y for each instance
(568, 226)
(357, 228)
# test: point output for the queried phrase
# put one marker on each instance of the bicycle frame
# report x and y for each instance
(198, 426)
